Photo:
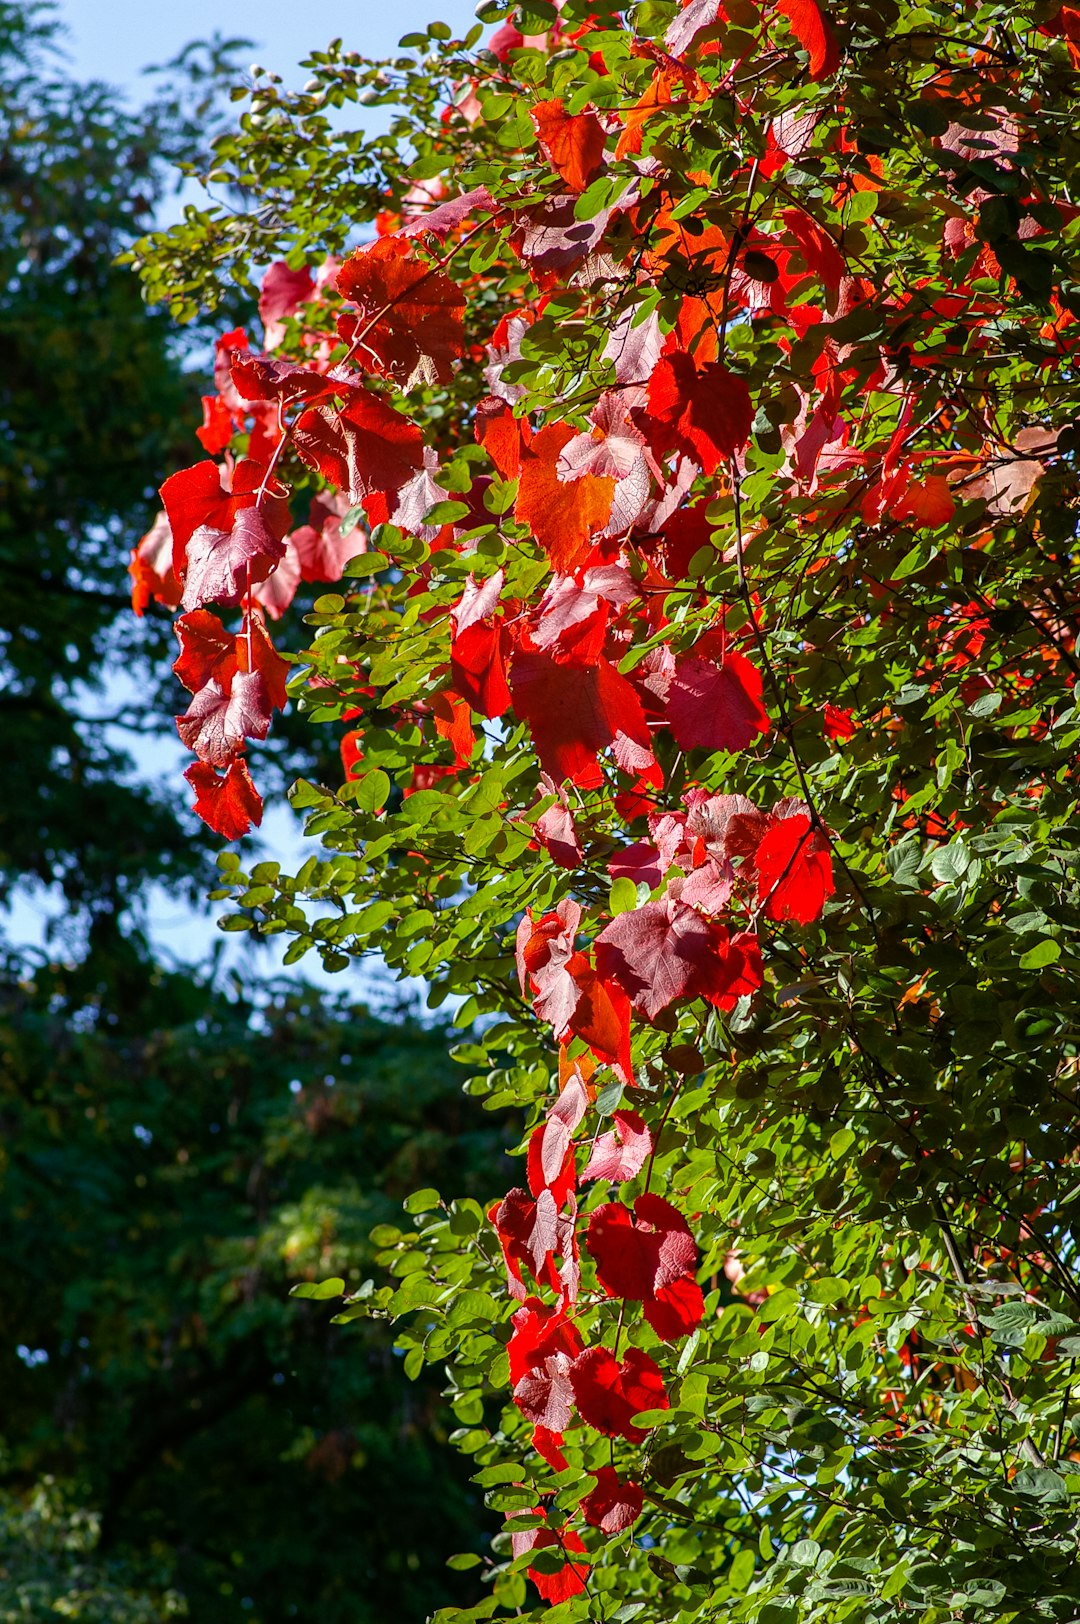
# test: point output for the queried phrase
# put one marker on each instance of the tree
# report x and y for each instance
(710, 387)
(169, 1175)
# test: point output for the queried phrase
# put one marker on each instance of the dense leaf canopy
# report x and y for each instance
(706, 699)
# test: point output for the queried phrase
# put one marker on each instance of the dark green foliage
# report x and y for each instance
(162, 1189)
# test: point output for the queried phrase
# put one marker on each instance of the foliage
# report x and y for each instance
(175, 1161)
(710, 387)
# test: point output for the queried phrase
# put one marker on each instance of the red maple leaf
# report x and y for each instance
(563, 515)
(574, 712)
(411, 315)
(716, 707)
(615, 1503)
(794, 870)
(707, 414)
(228, 803)
(648, 1257)
(609, 1394)
(573, 142)
(362, 448)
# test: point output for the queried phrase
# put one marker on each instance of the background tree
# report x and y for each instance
(169, 1176)
(712, 389)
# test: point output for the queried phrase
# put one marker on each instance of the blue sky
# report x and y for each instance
(116, 39)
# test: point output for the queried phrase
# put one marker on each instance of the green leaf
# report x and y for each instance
(318, 1291)
(1043, 953)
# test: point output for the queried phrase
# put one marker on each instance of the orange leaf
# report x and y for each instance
(574, 142)
(563, 515)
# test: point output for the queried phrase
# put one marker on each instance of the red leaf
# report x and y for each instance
(362, 448)
(229, 805)
(276, 593)
(705, 414)
(479, 646)
(453, 722)
(539, 1330)
(621, 1153)
(411, 321)
(656, 953)
(548, 1445)
(222, 563)
(814, 35)
(686, 532)
(321, 549)
(546, 961)
(555, 829)
(735, 969)
(576, 711)
(573, 142)
(501, 434)
(206, 650)
(569, 1580)
(531, 1233)
(608, 1394)
(927, 502)
(550, 1161)
(601, 1017)
(837, 723)
(151, 569)
(192, 497)
(216, 429)
(218, 720)
(794, 870)
(563, 515)
(716, 707)
(283, 291)
(615, 1504)
(541, 1350)
(446, 217)
(821, 254)
(648, 1258)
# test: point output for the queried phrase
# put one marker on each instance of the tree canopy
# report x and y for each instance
(706, 696)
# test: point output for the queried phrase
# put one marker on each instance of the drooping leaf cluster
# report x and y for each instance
(707, 703)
